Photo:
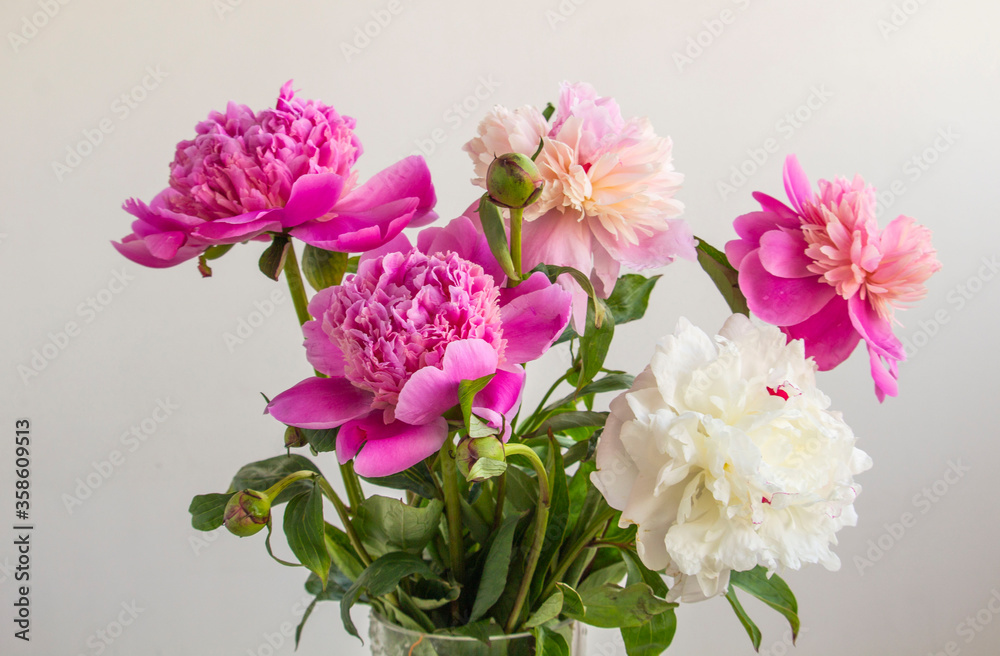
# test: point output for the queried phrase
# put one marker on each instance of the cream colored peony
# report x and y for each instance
(725, 456)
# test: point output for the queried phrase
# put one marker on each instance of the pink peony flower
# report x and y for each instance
(397, 338)
(609, 186)
(824, 273)
(287, 169)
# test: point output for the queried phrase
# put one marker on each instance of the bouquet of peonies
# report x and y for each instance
(718, 465)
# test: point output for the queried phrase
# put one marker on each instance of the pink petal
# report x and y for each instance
(407, 178)
(503, 393)
(784, 215)
(737, 249)
(533, 317)
(233, 230)
(829, 335)
(135, 249)
(398, 244)
(325, 356)
(797, 184)
(320, 403)
(165, 245)
(358, 233)
(388, 449)
(463, 237)
(783, 253)
(312, 196)
(431, 391)
(754, 225)
(558, 239)
(884, 350)
(781, 301)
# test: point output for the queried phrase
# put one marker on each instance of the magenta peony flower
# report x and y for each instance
(609, 189)
(823, 272)
(287, 169)
(397, 338)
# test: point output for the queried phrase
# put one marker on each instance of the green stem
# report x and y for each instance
(516, 220)
(295, 285)
(355, 495)
(453, 507)
(530, 421)
(541, 524)
(501, 498)
(272, 492)
(352, 535)
(583, 542)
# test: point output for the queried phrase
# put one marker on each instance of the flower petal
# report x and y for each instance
(797, 184)
(235, 229)
(884, 350)
(534, 314)
(781, 301)
(829, 335)
(325, 356)
(136, 249)
(431, 391)
(783, 253)
(320, 403)
(388, 449)
(312, 196)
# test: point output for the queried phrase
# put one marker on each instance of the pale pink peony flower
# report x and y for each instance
(608, 199)
(287, 169)
(824, 273)
(397, 339)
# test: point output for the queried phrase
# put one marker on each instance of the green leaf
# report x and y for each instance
(595, 342)
(725, 277)
(263, 474)
(211, 253)
(555, 531)
(467, 390)
(639, 573)
(553, 272)
(485, 468)
(610, 606)
(522, 489)
(549, 110)
(549, 610)
(630, 297)
(429, 594)
(772, 591)
(577, 491)
(549, 643)
(323, 268)
(270, 552)
(572, 602)
(272, 260)
(496, 235)
(482, 630)
(599, 577)
(417, 479)
(745, 620)
(653, 637)
(380, 578)
(321, 440)
(342, 555)
(304, 530)
(386, 524)
(208, 510)
(567, 421)
(609, 383)
(494, 578)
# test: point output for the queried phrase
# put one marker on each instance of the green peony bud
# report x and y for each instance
(247, 512)
(294, 437)
(480, 458)
(513, 181)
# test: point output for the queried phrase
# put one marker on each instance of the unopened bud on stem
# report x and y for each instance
(247, 512)
(513, 181)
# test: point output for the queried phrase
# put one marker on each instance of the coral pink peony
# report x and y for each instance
(287, 169)
(824, 273)
(398, 338)
(609, 189)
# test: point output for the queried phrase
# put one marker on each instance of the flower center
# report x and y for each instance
(400, 311)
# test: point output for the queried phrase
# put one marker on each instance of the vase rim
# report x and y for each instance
(456, 638)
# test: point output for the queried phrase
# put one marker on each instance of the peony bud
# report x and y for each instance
(294, 438)
(480, 458)
(247, 512)
(513, 181)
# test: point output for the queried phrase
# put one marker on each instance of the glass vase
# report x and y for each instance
(391, 640)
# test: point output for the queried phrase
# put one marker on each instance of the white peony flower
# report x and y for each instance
(725, 456)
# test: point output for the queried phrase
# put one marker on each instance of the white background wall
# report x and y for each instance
(161, 338)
